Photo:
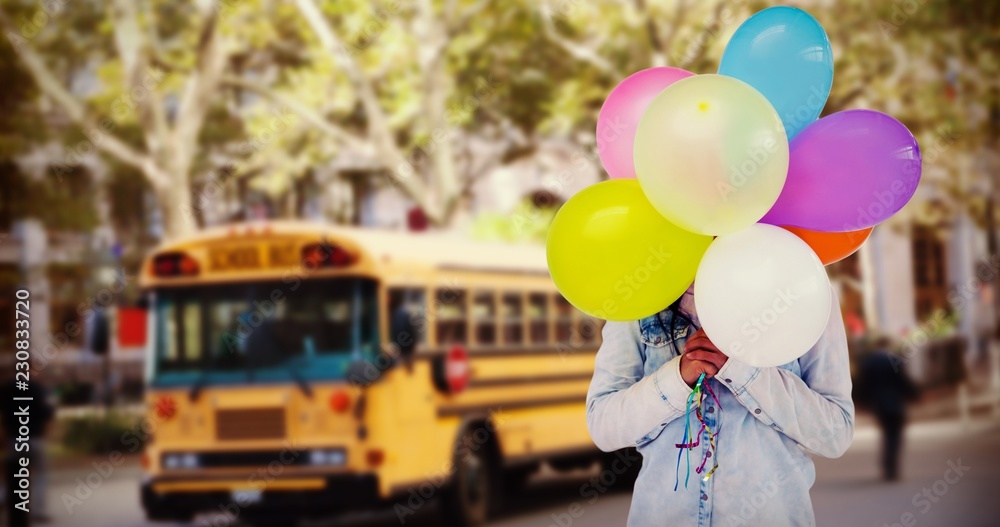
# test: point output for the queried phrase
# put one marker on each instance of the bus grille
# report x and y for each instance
(252, 423)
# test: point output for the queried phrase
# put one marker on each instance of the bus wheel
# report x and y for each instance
(515, 479)
(468, 501)
(269, 520)
(624, 465)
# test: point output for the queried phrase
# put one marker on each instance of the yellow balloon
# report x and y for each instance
(711, 154)
(614, 257)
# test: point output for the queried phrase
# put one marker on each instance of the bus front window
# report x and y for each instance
(267, 330)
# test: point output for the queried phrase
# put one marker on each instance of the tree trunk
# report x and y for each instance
(175, 205)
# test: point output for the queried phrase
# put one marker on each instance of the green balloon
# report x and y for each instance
(613, 256)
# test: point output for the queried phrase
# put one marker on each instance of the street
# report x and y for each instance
(950, 476)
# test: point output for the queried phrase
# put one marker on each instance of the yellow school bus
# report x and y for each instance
(301, 370)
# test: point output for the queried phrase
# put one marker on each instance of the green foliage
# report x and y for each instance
(61, 202)
(526, 223)
(931, 64)
(93, 434)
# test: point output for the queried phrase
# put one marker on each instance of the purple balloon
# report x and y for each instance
(847, 171)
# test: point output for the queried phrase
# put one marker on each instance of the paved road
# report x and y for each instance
(847, 492)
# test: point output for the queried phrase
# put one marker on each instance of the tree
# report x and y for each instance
(168, 139)
(395, 83)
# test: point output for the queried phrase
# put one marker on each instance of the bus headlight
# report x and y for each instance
(176, 461)
(327, 457)
(189, 461)
(171, 461)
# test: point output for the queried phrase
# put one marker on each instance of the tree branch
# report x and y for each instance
(680, 14)
(379, 130)
(860, 87)
(459, 23)
(577, 51)
(309, 115)
(662, 46)
(432, 39)
(201, 87)
(703, 36)
(77, 111)
(134, 50)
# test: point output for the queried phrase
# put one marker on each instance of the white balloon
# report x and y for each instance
(762, 295)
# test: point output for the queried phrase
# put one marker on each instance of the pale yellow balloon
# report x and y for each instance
(711, 154)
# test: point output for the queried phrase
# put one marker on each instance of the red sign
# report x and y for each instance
(131, 327)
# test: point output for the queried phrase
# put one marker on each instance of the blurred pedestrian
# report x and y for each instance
(985, 327)
(885, 387)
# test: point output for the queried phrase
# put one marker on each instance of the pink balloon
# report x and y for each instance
(621, 112)
(847, 171)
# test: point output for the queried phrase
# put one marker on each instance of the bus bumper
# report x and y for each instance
(173, 499)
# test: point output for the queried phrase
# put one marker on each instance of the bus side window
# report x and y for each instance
(588, 328)
(411, 298)
(192, 332)
(484, 311)
(538, 314)
(513, 321)
(564, 319)
(451, 316)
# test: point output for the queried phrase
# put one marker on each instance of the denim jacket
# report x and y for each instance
(769, 418)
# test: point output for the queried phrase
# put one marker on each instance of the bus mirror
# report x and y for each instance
(362, 373)
(402, 332)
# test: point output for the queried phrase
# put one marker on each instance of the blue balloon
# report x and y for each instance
(785, 54)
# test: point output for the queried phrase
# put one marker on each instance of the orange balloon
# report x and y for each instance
(832, 246)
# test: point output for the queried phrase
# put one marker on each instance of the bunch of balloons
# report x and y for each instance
(729, 181)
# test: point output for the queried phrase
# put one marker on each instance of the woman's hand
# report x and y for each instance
(700, 356)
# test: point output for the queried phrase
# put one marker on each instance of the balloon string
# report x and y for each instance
(687, 434)
(691, 441)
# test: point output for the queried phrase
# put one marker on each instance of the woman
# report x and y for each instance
(765, 418)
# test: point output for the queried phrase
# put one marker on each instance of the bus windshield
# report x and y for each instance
(263, 331)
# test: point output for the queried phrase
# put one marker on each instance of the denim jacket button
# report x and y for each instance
(757, 411)
(729, 381)
(710, 409)
(704, 497)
